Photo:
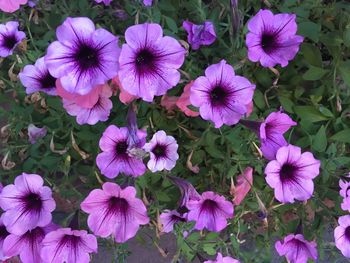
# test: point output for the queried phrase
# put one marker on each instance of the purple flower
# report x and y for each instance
(221, 259)
(272, 38)
(149, 62)
(37, 78)
(221, 96)
(83, 56)
(211, 212)
(10, 37)
(106, 2)
(91, 115)
(169, 218)
(344, 192)
(296, 249)
(342, 235)
(163, 152)
(67, 245)
(147, 2)
(115, 157)
(188, 192)
(3, 234)
(35, 133)
(199, 35)
(27, 245)
(27, 204)
(291, 174)
(115, 211)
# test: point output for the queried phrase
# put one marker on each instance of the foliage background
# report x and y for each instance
(313, 89)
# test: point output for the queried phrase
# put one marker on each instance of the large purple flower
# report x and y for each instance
(291, 174)
(10, 37)
(296, 249)
(27, 245)
(3, 234)
(149, 62)
(163, 152)
(199, 35)
(27, 204)
(272, 38)
(211, 211)
(115, 211)
(37, 78)
(221, 259)
(83, 56)
(115, 157)
(169, 218)
(221, 96)
(67, 245)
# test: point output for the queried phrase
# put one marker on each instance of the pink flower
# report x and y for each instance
(244, 183)
(27, 245)
(211, 212)
(221, 259)
(342, 235)
(66, 245)
(115, 211)
(11, 6)
(296, 249)
(169, 218)
(169, 102)
(35, 133)
(291, 174)
(124, 96)
(27, 204)
(163, 152)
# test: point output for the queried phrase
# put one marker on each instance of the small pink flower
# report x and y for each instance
(124, 96)
(169, 218)
(184, 101)
(11, 6)
(244, 183)
(169, 102)
(221, 259)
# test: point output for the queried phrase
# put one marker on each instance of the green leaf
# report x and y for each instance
(319, 141)
(342, 136)
(171, 24)
(346, 37)
(314, 73)
(344, 69)
(310, 114)
(310, 29)
(312, 54)
(287, 104)
(209, 249)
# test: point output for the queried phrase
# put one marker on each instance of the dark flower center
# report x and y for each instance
(118, 205)
(3, 232)
(87, 57)
(122, 147)
(10, 41)
(287, 172)
(159, 150)
(48, 81)
(177, 218)
(218, 96)
(33, 202)
(209, 205)
(34, 234)
(268, 42)
(144, 61)
(347, 233)
(70, 241)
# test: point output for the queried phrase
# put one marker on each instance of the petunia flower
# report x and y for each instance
(149, 61)
(106, 2)
(291, 174)
(148, 2)
(124, 96)
(83, 56)
(244, 183)
(344, 192)
(220, 95)
(169, 218)
(27, 245)
(115, 158)
(199, 35)
(35, 133)
(67, 245)
(11, 6)
(163, 152)
(271, 131)
(296, 249)
(115, 211)
(10, 37)
(272, 38)
(221, 259)
(3, 234)
(342, 235)
(27, 204)
(210, 212)
(188, 192)
(37, 78)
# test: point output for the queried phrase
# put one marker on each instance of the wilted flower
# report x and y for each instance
(296, 249)
(27, 245)
(211, 211)
(163, 152)
(220, 95)
(221, 259)
(67, 245)
(272, 38)
(149, 61)
(106, 2)
(115, 211)
(199, 35)
(10, 37)
(35, 133)
(291, 174)
(83, 56)
(3, 234)
(11, 6)
(124, 96)
(169, 218)
(244, 183)
(188, 192)
(342, 235)
(37, 78)
(27, 204)
(114, 158)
